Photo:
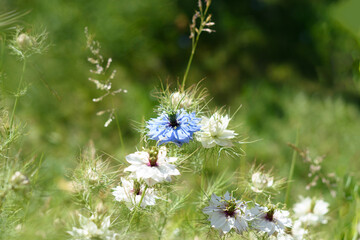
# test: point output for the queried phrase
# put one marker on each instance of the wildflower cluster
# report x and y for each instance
(168, 186)
(226, 213)
(181, 137)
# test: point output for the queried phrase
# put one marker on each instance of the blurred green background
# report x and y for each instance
(292, 65)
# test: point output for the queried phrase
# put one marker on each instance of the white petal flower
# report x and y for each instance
(311, 211)
(260, 181)
(131, 192)
(214, 131)
(226, 213)
(18, 179)
(270, 220)
(298, 231)
(153, 166)
(89, 230)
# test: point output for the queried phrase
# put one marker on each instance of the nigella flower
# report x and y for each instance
(153, 166)
(90, 230)
(214, 131)
(226, 213)
(131, 192)
(311, 211)
(177, 127)
(270, 220)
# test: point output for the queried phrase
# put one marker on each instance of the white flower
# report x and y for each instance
(270, 220)
(298, 231)
(153, 166)
(131, 192)
(18, 180)
(311, 211)
(89, 230)
(180, 100)
(260, 181)
(213, 131)
(226, 213)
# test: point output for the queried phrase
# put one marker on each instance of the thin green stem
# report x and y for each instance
(120, 133)
(17, 95)
(291, 172)
(203, 171)
(2, 47)
(194, 45)
(33, 184)
(243, 163)
(11, 130)
(190, 61)
(136, 208)
(162, 227)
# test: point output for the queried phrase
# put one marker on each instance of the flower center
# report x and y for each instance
(230, 208)
(153, 157)
(137, 189)
(270, 215)
(173, 121)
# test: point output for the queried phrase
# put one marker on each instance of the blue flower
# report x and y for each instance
(177, 127)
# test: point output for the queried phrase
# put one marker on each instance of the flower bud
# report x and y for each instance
(24, 41)
(181, 100)
(18, 180)
(92, 175)
(260, 181)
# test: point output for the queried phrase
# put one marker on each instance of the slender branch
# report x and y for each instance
(194, 44)
(11, 131)
(17, 95)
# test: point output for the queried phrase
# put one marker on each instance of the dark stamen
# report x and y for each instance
(173, 121)
(270, 215)
(229, 213)
(230, 209)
